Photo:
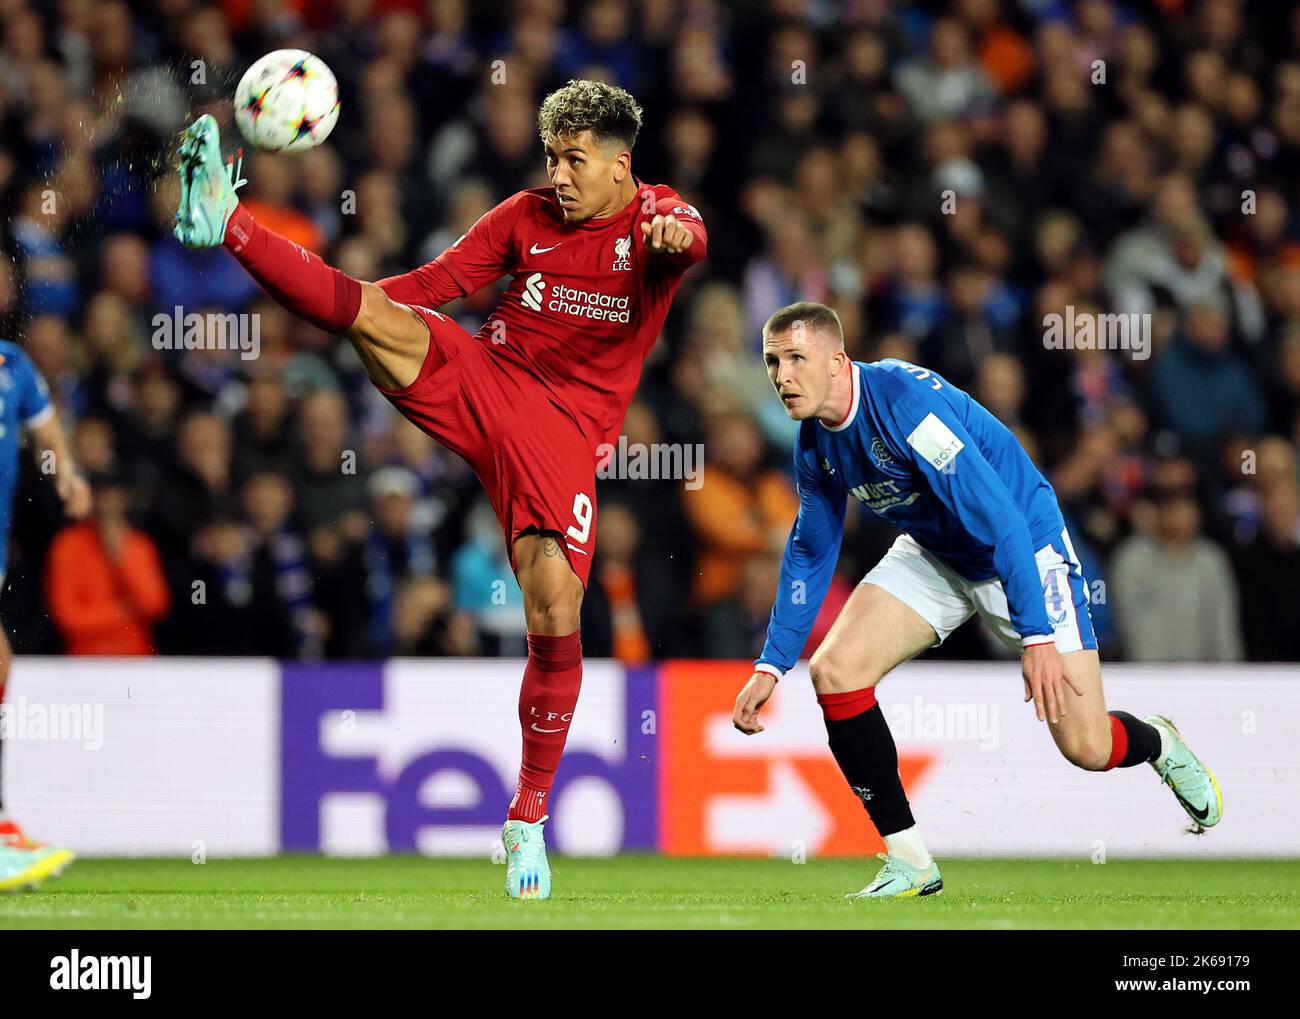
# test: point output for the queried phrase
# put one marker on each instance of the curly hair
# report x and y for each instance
(607, 111)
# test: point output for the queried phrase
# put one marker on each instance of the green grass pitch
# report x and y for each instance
(654, 892)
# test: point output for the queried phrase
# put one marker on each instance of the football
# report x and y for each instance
(287, 101)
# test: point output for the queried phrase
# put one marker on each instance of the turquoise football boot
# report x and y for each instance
(27, 868)
(208, 186)
(528, 875)
(898, 879)
(1194, 785)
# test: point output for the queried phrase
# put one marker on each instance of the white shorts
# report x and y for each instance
(945, 599)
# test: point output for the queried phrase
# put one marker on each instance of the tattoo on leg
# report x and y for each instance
(550, 547)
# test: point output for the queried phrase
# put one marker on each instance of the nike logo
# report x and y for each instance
(537, 728)
(1200, 814)
(535, 250)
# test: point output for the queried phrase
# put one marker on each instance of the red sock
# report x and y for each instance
(547, 698)
(838, 706)
(294, 276)
(1118, 743)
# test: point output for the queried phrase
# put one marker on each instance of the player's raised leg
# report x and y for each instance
(874, 633)
(391, 340)
(547, 698)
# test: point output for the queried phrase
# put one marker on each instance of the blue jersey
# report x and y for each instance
(934, 463)
(24, 403)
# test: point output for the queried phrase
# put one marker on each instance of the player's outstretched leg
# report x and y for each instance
(1097, 740)
(209, 215)
(874, 633)
(547, 699)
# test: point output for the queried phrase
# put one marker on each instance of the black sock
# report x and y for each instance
(1141, 742)
(864, 749)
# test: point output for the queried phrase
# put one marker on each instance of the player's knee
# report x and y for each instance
(556, 618)
(830, 674)
(1089, 752)
(553, 608)
(384, 326)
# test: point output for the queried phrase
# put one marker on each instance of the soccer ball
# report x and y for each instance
(287, 101)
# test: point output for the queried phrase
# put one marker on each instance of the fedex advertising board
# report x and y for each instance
(251, 757)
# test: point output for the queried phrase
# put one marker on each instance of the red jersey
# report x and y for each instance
(586, 301)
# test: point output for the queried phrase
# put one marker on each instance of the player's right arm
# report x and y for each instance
(73, 490)
(391, 340)
(810, 556)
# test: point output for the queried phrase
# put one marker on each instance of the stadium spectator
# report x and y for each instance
(742, 509)
(1175, 596)
(736, 627)
(1267, 569)
(273, 568)
(201, 485)
(947, 81)
(395, 549)
(484, 587)
(1201, 388)
(104, 580)
(426, 624)
(630, 611)
(329, 489)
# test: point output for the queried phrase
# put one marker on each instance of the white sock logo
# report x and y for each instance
(551, 716)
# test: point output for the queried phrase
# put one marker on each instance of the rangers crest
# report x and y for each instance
(880, 452)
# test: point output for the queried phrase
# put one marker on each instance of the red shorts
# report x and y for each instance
(531, 457)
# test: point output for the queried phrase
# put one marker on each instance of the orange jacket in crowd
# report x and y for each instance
(733, 521)
(102, 607)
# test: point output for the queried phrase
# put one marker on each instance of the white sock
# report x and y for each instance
(909, 847)
(1165, 741)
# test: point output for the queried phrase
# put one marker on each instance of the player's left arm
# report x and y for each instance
(966, 483)
(676, 231)
(50, 445)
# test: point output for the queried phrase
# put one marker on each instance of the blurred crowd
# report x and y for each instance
(943, 174)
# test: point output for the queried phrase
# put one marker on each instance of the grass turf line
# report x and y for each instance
(655, 892)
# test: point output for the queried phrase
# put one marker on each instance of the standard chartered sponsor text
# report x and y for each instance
(592, 304)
